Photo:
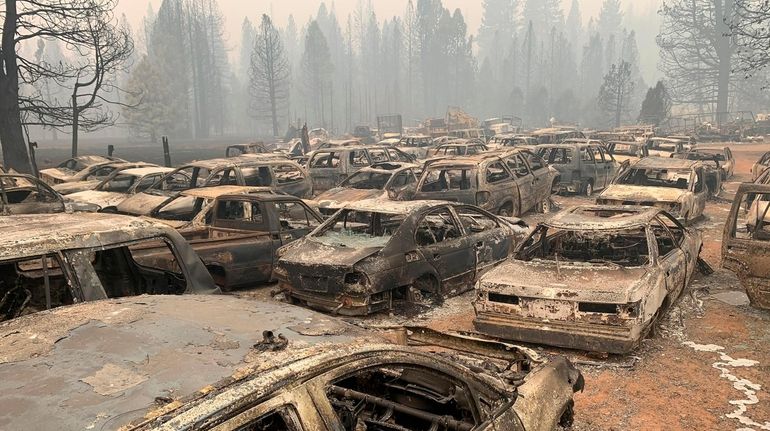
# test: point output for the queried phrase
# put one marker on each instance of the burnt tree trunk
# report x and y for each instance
(724, 48)
(11, 133)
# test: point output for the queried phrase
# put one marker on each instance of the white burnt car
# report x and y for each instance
(591, 278)
(678, 186)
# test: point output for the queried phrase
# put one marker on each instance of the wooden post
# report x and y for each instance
(32, 161)
(166, 152)
(110, 150)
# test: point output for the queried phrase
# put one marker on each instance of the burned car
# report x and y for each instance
(592, 278)
(372, 254)
(97, 176)
(760, 166)
(256, 170)
(120, 185)
(330, 166)
(506, 183)
(25, 194)
(416, 145)
(387, 181)
(720, 159)
(75, 169)
(240, 233)
(227, 363)
(243, 149)
(630, 151)
(51, 260)
(665, 147)
(584, 165)
(459, 147)
(746, 242)
(681, 187)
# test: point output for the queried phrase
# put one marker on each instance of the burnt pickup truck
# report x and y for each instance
(241, 233)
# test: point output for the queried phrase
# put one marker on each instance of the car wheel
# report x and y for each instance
(505, 210)
(425, 290)
(588, 190)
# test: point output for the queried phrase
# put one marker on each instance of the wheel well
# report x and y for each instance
(432, 281)
(218, 273)
(109, 210)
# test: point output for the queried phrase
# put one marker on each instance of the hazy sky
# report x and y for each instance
(235, 10)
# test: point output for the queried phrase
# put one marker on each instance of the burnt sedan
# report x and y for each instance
(592, 278)
(372, 253)
(390, 180)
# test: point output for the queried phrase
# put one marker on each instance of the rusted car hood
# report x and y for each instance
(339, 196)
(311, 252)
(100, 365)
(570, 282)
(642, 193)
(103, 199)
(76, 186)
(142, 203)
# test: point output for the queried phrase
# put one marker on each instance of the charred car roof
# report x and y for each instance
(105, 363)
(472, 160)
(213, 192)
(664, 163)
(603, 217)
(394, 207)
(32, 235)
(145, 170)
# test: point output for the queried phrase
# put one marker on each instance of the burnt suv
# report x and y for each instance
(584, 165)
(505, 183)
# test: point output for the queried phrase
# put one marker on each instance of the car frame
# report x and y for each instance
(418, 249)
(590, 167)
(582, 298)
(712, 156)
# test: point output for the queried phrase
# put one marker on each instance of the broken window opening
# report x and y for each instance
(627, 248)
(32, 284)
(438, 180)
(367, 180)
(402, 398)
(652, 177)
(437, 226)
(356, 229)
(181, 208)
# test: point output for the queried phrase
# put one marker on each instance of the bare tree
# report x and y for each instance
(697, 51)
(85, 27)
(750, 26)
(615, 92)
(269, 73)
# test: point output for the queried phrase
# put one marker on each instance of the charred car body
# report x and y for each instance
(720, 159)
(760, 166)
(630, 151)
(746, 242)
(58, 259)
(681, 187)
(120, 185)
(584, 165)
(95, 177)
(459, 148)
(592, 278)
(506, 183)
(372, 253)
(306, 371)
(257, 170)
(25, 194)
(75, 169)
(387, 181)
(330, 166)
(240, 233)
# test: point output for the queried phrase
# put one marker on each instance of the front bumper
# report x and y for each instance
(571, 335)
(341, 304)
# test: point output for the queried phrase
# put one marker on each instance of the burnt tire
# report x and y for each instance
(425, 290)
(588, 189)
(506, 210)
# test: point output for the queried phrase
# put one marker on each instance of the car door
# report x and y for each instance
(601, 166)
(525, 183)
(587, 165)
(542, 174)
(672, 260)
(490, 242)
(325, 169)
(440, 240)
(402, 186)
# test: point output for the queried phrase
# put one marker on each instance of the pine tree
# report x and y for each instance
(269, 74)
(614, 94)
(317, 69)
(656, 106)
(148, 111)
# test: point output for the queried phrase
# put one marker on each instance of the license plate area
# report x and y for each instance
(315, 284)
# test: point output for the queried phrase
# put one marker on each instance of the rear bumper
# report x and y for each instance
(571, 335)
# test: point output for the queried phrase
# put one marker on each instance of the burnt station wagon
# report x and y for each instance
(591, 278)
(583, 165)
(373, 253)
(505, 183)
(681, 187)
